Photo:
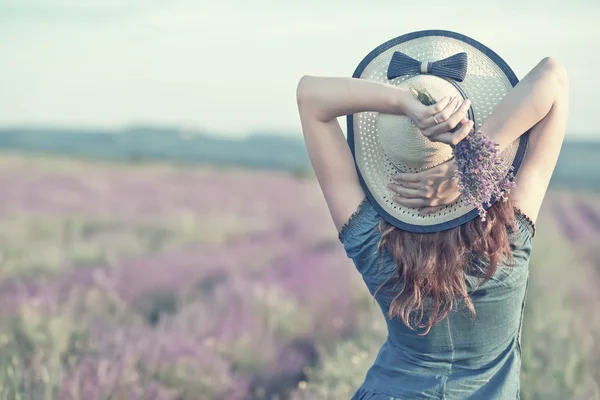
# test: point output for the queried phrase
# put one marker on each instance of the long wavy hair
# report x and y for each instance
(431, 267)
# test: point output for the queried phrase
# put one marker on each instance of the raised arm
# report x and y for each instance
(539, 102)
(321, 100)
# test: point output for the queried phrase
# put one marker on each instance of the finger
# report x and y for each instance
(411, 185)
(462, 133)
(448, 187)
(411, 203)
(451, 122)
(451, 199)
(441, 116)
(447, 112)
(429, 117)
(454, 138)
(445, 201)
(439, 106)
(460, 114)
(405, 192)
(431, 209)
(460, 124)
(409, 176)
(458, 103)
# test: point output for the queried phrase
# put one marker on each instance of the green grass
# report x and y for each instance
(43, 246)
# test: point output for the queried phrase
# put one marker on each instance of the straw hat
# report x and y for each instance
(445, 64)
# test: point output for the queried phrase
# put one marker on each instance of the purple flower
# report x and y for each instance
(482, 175)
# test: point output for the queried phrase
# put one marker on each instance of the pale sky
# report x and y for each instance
(231, 67)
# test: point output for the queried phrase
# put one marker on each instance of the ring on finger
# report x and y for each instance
(436, 121)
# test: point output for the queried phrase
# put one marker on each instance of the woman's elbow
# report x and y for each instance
(304, 93)
(558, 71)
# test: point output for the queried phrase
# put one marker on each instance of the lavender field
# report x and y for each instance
(157, 281)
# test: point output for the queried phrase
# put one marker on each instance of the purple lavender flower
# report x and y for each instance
(482, 176)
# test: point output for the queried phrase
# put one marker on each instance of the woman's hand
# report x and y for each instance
(439, 121)
(429, 190)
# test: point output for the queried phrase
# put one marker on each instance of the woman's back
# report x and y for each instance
(460, 357)
(420, 107)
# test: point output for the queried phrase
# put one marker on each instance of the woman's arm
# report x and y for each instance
(321, 100)
(539, 102)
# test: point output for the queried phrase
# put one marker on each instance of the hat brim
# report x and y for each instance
(402, 217)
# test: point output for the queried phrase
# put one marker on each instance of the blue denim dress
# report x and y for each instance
(462, 357)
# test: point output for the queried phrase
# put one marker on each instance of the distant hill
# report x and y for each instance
(578, 165)
(147, 143)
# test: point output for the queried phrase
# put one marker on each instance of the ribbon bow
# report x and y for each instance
(454, 67)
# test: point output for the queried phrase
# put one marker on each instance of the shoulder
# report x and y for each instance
(360, 237)
(361, 230)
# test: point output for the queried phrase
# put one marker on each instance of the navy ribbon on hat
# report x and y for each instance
(454, 67)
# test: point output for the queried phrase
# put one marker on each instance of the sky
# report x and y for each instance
(231, 67)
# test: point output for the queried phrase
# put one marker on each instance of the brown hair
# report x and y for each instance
(431, 267)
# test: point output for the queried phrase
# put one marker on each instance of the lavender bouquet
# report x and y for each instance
(482, 176)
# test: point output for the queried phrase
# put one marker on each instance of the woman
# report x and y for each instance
(452, 286)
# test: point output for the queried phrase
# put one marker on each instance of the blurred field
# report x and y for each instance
(154, 281)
